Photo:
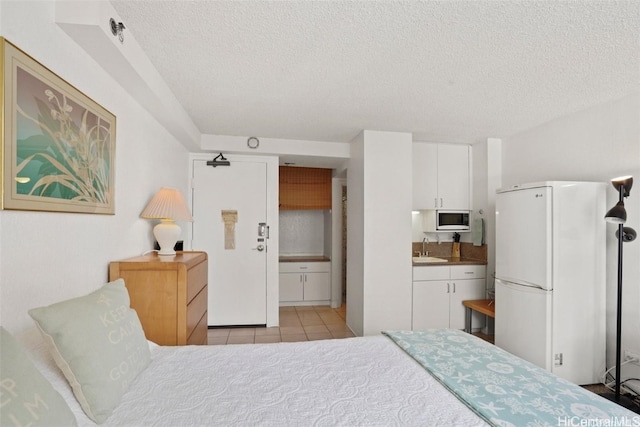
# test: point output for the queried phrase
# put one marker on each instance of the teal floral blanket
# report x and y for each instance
(503, 389)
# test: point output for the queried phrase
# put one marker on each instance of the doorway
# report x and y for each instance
(344, 245)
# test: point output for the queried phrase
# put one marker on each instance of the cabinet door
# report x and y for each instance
(291, 287)
(316, 287)
(430, 304)
(464, 290)
(453, 176)
(425, 176)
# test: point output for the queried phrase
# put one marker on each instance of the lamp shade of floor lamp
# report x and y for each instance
(618, 215)
(168, 206)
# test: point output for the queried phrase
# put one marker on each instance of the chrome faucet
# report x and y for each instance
(424, 252)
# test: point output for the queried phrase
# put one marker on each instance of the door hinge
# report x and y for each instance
(558, 359)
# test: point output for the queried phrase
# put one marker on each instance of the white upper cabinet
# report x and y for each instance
(441, 175)
(453, 176)
(425, 175)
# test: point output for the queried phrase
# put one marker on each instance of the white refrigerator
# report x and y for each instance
(550, 276)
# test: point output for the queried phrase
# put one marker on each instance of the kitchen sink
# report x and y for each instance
(427, 259)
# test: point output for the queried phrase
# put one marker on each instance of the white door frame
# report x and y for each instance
(336, 241)
(273, 249)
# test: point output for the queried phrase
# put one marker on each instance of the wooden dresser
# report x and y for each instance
(169, 293)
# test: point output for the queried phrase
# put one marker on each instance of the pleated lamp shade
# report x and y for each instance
(168, 206)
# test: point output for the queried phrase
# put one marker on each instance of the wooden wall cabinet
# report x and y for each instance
(304, 188)
(169, 293)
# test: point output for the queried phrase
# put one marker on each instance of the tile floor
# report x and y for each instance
(300, 323)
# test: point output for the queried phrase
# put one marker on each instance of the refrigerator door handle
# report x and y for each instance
(514, 284)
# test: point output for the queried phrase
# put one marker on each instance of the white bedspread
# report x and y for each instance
(350, 382)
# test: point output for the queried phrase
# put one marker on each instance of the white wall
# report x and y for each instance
(47, 257)
(487, 178)
(596, 144)
(355, 236)
(302, 232)
(379, 290)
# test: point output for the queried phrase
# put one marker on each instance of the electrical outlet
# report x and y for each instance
(631, 356)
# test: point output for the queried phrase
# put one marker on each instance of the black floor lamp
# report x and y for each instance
(618, 215)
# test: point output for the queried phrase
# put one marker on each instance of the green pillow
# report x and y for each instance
(26, 397)
(98, 343)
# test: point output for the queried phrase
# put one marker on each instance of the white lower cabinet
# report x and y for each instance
(438, 292)
(305, 283)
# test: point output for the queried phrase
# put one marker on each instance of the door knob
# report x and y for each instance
(259, 248)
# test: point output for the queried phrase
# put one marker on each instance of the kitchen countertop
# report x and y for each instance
(304, 258)
(451, 261)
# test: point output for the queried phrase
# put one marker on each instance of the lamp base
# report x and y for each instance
(625, 401)
(166, 233)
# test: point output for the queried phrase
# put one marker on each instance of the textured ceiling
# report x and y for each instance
(447, 71)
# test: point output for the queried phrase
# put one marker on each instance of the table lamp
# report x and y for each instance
(168, 206)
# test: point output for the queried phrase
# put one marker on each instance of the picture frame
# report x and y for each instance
(58, 145)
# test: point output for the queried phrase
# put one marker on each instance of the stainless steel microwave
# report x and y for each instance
(446, 220)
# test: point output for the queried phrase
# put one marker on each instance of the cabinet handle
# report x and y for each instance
(454, 287)
(301, 278)
(435, 202)
(468, 272)
(448, 284)
(305, 278)
(440, 201)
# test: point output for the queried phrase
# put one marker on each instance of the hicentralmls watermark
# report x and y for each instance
(599, 422)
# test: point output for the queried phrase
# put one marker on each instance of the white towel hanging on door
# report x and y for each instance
(477, 232)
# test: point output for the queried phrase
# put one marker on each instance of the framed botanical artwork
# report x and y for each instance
(58, 145)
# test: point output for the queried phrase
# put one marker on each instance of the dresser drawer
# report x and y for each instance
(199, 335)
(195, 309)
(196, 280)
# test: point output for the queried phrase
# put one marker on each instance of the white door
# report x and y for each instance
(523, 237)
(317, 286)
(523, 322)
(465, 290)
(291, 287)
(430, 304)
(425, 175)
(237, 257)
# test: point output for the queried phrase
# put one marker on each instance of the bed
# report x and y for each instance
(399, 378)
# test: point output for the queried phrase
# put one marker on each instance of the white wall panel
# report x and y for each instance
(47, 257)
